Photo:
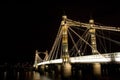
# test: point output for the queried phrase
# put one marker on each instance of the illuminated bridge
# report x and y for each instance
(78, 42)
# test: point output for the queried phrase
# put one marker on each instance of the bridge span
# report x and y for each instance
(103, 58)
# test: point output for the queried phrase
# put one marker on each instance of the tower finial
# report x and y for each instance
(64, 17)
(91, 18)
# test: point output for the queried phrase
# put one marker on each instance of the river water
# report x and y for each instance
(34, 75)
(111, 72)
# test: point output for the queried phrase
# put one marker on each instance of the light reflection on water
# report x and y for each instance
(37, 76)
(30, 75)
(33, 75)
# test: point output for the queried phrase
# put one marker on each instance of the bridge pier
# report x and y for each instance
(66, 66)
(66, 69)
(96, 69)
(96, 66)
(42, 67)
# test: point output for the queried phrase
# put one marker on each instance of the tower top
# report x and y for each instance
(91, 21)
(64, 17)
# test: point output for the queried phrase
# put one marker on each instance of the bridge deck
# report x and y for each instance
(100, 58)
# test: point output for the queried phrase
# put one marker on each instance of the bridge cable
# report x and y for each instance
(57, 38)
(87, 42)
(73, 41)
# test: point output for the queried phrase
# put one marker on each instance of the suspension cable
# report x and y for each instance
(73, 41)
(55, 42)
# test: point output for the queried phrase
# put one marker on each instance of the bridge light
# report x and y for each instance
(65, 32)
(93, 42)
(92, 30)
(91, 21)
(46, 66)
(66, 50)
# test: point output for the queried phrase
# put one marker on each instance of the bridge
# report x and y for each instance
(76, 42)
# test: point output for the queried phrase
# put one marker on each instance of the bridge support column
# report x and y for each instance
(66, 66)
(97, 69)
(96, 66)
(42, 67)
(66, 69)
(36, 67)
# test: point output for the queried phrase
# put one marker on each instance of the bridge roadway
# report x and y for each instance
(98, 58)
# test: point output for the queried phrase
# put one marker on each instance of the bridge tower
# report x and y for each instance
(36, 60)
(39, 59)
(65, 56)
(92, 30)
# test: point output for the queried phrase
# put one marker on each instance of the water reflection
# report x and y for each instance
(5, 75)
(30, 75)
(34, 75)
(17, 75)
(37, 76)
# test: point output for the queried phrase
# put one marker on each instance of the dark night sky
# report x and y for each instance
(27, 27)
